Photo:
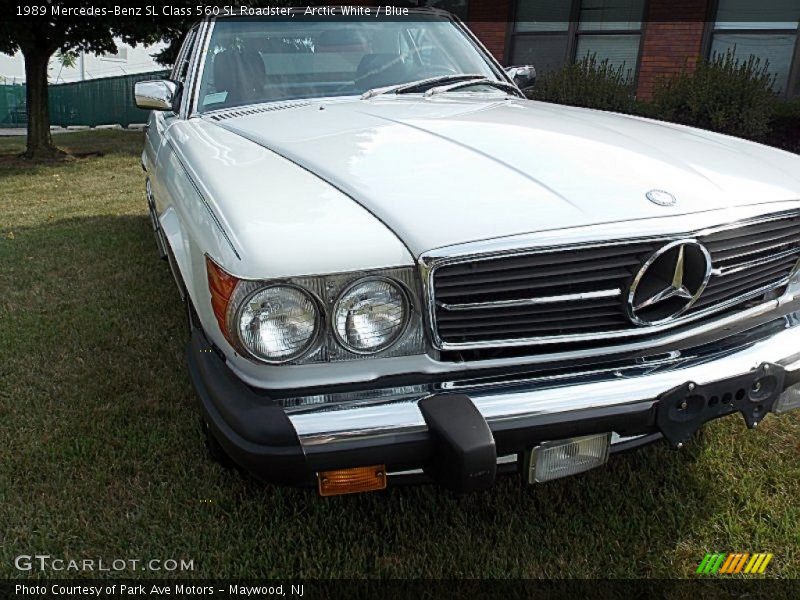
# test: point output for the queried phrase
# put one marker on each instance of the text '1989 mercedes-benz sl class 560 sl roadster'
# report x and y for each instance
(396, 266)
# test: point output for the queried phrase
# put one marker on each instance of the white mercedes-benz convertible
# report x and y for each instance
(396, 266)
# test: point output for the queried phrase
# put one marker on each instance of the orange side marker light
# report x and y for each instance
(352, 481)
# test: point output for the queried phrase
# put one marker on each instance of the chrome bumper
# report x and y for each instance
(330, 426)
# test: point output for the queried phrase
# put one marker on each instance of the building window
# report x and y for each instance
(767, 29)
(120, 54)
(460, 8)
(551, 33)
(542, 32)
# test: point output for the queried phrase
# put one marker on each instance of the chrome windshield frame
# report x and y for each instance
(197, 67)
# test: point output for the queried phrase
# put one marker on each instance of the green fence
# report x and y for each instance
(12, 105)
(107, 101)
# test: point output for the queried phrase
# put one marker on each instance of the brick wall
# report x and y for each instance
(488, 19)
(673, 40)
(673, 35)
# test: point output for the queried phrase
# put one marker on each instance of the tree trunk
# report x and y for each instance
(40, 142)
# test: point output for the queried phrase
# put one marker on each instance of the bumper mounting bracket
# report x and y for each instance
(684, 409)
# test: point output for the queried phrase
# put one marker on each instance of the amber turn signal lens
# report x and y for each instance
(352, 481)
(221, 286)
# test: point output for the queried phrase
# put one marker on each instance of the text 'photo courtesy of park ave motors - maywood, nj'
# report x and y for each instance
(157, 590)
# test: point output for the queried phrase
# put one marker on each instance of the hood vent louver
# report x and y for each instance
(244, 112)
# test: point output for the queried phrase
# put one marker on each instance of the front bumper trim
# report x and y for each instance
(291, 447)
(515, 406)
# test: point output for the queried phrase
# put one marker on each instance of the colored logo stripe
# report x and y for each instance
(711, 563)
(733, 563)
(729, 562)
(758, 563)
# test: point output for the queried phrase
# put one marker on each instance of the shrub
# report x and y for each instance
(784, 126)
(588, 83)
(723, 94)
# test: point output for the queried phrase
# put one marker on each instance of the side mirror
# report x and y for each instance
(155, 95)
(524, 76)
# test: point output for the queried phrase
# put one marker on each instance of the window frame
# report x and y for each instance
(573, 34)
(792, 88)
(426, 4)
(117, 56)
(191, 101)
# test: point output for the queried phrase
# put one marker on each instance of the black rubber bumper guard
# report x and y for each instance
(459, 450)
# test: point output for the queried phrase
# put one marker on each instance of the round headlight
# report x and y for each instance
(278, 323)
(370, 315)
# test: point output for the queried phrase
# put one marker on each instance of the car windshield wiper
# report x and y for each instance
(501, 85)
(419, 85)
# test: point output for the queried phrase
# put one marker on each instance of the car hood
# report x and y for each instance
(459, 168)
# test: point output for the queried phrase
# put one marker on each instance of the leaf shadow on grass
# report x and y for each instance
(99, 405)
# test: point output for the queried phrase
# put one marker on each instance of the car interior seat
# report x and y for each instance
(380, 70)
(240, 73)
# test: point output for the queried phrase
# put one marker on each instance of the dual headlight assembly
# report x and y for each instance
(318, 319)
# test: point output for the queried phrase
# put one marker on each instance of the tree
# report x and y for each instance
(83, 27)
(89, 26)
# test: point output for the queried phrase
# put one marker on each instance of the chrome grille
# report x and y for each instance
(552, 293)
(576, 294)
(750, 258)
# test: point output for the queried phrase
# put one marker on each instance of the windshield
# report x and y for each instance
(251, 61)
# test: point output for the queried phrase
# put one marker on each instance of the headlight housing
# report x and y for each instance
(293, 320)
(277, 323)
(370, 315)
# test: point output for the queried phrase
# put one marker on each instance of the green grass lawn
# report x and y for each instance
(101, 453)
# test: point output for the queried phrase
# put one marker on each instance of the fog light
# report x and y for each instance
(352, 481)
(562, 458)
(788, 400)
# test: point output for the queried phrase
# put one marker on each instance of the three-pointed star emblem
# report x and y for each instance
(674, 289)
(669, 282)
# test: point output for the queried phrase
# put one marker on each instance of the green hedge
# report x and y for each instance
(784, 126)
(590, 83)
(723, 94)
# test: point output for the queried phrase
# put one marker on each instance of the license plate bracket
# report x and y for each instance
(681, 411)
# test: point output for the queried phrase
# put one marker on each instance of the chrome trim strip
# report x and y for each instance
(729, 270)
(608, 234)
(663, 229)
(198, 69)
(506, 459)
(509, 406)
(533, 301)
(749, 252)
(488, 383)
(621, 333)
